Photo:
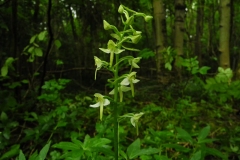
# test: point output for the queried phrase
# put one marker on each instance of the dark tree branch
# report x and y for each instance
(50, 42)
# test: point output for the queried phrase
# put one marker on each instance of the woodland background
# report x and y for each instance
(47, 74)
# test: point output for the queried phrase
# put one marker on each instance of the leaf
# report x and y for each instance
(131, 49)
(204, 133)
(66, 146)
(203, 70)
(183, 134)
(33, 39)
(44, 151)
(147, 151)
(206, 140)
(25, 81)
(9, 61)
(4, 117)
(215, 152)
(14, 150)
(57, 43)
(177, 147)
(161, 157)
(42, 35)
(133, 149)
(34, 156)
(115, 36)
(4, 71)
(197, 156)
(168, 66)
(21, 156)
(38, 52)
(61, 124)
(95, 142)
(123, 154)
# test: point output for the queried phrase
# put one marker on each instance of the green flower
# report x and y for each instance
(121, 89)
(101, 101)
(120, 9)
(133, 62)
(134, 119)
(148, 18)
(99, 63)
(112, 48)
(106, 25)
(130, 80)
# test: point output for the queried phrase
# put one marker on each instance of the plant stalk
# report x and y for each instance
(116, 111)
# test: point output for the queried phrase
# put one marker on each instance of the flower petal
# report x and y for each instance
(95, 105)
(112, 92)
(105, 50)
(135, 80)
(125, 82)
(117, 51)
(106, 102)
(125, 89)
(133, 121)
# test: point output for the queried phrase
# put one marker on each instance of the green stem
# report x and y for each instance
(116, 111)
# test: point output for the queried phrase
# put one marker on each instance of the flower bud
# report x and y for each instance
(136, 39)
(106, 25)
(148, 18)
(120, 9)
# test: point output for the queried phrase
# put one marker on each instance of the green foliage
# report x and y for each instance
(41, 156)
(192, 66)
(89, 148)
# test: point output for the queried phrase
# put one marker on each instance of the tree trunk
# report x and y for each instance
(159, 19)
(224, 34)
(179, 31)
(199, 30)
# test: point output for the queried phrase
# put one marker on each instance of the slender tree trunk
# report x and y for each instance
(199, 30)
(179, 31)
(224, 34)
(159, 16)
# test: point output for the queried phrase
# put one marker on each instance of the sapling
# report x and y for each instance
(122, 83)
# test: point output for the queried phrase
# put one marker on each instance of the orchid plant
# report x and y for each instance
(122, 83)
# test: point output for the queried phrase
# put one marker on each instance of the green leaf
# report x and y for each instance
(21, 156)
(168, 66)
(177, 147)
(42, 35)
(197, 156)
(4, 70)
(183, 134)
(66, 146)
(14, 150)
(216, 152)
(57, 43)
(4, 117)
(206, 140)
(133, 149)
(25, 81)
(76, 154)
(61, 124)
(9, 61)
(131, 49)
(33, 39)
(123, 154)
(38, 52)
(161, 157)
(204, 133)
(44, 151)
(115, 36)
(34, 156)
(147, 151)
(203, 70)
